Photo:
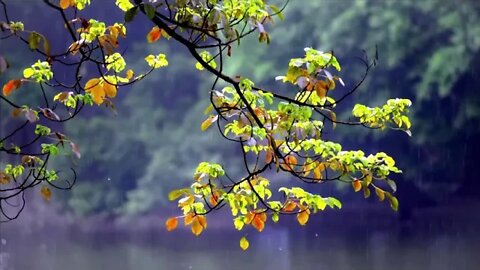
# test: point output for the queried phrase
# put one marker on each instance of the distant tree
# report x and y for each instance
(283, 133)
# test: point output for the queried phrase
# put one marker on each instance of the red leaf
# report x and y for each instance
(10, 86)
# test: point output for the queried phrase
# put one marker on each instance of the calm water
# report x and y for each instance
(350, 244)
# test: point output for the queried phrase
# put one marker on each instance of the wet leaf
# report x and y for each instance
(171, 224)
(244, 244)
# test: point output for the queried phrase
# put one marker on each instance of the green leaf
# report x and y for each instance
(34, 40)
(130, 14)
(149, 11)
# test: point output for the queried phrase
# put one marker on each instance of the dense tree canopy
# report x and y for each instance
(285, 131)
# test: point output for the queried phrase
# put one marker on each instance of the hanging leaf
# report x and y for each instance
(10, 86)
(171, 224)
(380, 194)
(197, 227)
(357, 185)
(303, 216)
(244, 244)
(46, 193)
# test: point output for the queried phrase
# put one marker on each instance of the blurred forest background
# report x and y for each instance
(429, 52)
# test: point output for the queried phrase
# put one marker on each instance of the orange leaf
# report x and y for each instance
(258, 223)
(289, 206)
(357, 185)
(197, 227)
(98, 93)
(302, 217)
(154, 34)
(64, 4)
(10, 86)
(46, 193)
(110, 89)
(129, 74)
(171, 224)
(202, 220)
(188, 219)
(268, 156)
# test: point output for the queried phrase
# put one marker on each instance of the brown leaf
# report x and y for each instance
(46, 193)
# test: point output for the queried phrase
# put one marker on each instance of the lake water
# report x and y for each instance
(346, 243)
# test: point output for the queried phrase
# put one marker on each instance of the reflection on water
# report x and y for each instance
(330, 247)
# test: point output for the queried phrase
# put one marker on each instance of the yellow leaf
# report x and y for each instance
(10, 86)
(303, 216)
(46, 193)
(129, 74)
(208, 122)
(380, 194)
(154, 34)
(244, 244)
(171, 224)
